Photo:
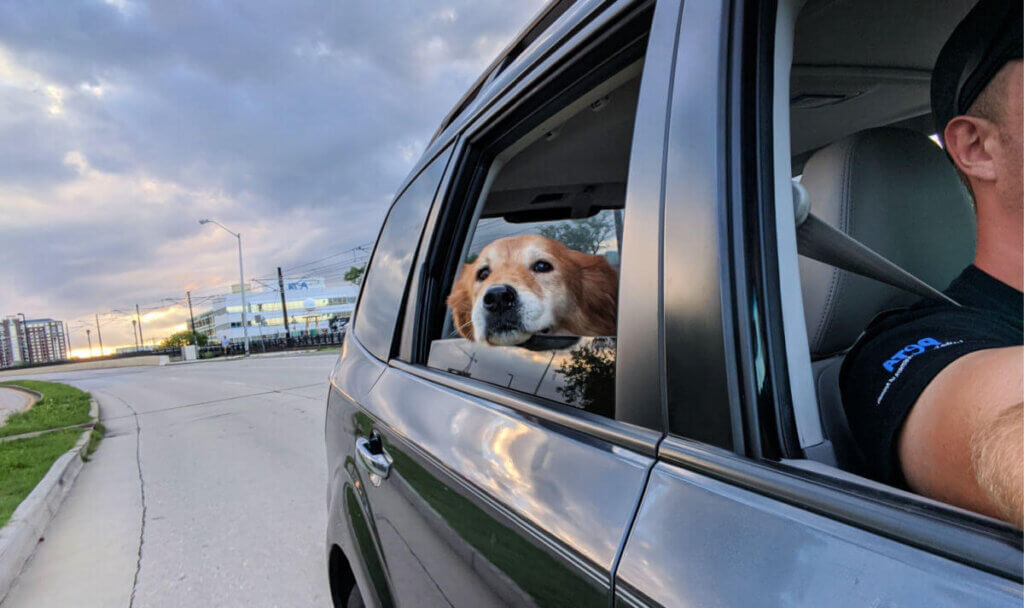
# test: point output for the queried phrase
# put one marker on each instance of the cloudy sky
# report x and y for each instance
(123, 122)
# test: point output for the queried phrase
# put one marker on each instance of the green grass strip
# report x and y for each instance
(23, 462)
(61, 405)
(95, 437)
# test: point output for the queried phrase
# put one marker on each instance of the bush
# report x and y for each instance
(61, 405)
(182, 338)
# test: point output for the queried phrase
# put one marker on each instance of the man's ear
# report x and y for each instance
(969, 141)
(460, 302)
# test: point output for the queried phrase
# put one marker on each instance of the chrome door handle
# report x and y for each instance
(379, 463)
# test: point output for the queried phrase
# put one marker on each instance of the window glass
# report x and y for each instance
(386, 277)
(533, 305)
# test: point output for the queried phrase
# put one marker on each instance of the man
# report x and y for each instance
(224, 344)
(934, 392)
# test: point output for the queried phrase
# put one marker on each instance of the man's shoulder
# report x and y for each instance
(897, 356)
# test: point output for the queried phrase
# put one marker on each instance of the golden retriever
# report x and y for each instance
(524, 285)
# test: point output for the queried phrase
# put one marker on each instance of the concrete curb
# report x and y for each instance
(19, 537)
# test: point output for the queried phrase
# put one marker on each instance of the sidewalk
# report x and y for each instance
(12, 401)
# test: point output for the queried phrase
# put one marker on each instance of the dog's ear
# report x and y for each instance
(460, 302)
(598, 298)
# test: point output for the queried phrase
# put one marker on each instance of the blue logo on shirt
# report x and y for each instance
(909, 351)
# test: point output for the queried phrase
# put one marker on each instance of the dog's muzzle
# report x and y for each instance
(501, 304)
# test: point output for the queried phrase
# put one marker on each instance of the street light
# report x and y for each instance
(28, 341)
(241, 279)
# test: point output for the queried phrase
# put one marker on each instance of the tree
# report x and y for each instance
(589, 375)
(354, 274)
(585, 235)
(182, 338)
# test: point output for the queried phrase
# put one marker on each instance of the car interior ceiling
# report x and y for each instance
(575, 162)
(859, 64)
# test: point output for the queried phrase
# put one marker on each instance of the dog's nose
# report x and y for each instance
(499, 298)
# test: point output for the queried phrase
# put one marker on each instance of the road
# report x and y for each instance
(209, 490)
(11, 401)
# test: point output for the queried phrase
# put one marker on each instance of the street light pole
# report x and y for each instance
(241, 280)
(28, 340)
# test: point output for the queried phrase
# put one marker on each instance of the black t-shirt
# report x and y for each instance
(902, 350)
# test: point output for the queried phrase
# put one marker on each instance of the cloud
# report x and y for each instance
(123, 122)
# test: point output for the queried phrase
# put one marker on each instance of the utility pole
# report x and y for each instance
(137, 316)
(88, 336)
(67, 340)
(192, 319)
(284, 305)
(135, 336)
(99, 336)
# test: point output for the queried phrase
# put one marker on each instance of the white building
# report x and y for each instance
(311, 306)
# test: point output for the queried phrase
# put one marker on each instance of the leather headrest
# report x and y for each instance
(895, 191)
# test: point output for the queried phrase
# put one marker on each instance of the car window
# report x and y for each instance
(533, 302)
(386, 276)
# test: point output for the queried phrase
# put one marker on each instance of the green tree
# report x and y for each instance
(589, 375)
(354, 274)
(585, 235)
(182, 338)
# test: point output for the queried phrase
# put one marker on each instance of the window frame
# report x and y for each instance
(449, 148)
(566, 69)
(753, 109)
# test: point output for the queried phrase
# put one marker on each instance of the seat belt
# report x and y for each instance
(821, 242)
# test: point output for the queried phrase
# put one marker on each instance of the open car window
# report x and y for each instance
(545, 243)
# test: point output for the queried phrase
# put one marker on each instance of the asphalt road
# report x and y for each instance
(209, 490)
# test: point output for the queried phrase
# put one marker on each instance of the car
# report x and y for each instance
(701, 455)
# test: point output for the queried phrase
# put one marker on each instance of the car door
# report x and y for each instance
(719, 523)
(480, 495)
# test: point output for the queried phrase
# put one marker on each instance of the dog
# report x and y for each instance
(524, 285)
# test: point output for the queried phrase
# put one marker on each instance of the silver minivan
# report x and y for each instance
(700, 456)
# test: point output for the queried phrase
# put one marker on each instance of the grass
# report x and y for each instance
(95, 437)
(61, 405)
(23, 462)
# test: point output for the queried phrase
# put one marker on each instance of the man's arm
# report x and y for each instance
(963, 442)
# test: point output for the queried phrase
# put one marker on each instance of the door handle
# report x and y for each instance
(373, 458)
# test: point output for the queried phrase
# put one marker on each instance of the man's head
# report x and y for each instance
(977, 102)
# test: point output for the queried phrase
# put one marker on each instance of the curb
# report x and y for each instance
(18, 539)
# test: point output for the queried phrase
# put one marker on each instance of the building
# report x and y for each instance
(31, 341)
(311, 306)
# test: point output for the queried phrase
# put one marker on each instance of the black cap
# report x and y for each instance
(987, 38)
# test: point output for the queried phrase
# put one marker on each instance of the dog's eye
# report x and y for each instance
(483, 273)
(542, 266)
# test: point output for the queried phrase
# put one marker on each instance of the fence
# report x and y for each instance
(256, 346)
(269, 345)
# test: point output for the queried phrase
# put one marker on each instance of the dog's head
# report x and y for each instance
(523, 285)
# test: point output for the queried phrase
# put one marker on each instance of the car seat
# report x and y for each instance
(894, 191)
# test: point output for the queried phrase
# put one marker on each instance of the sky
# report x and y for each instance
(122, 123)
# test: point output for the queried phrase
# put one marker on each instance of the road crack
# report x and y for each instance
(142, 494)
